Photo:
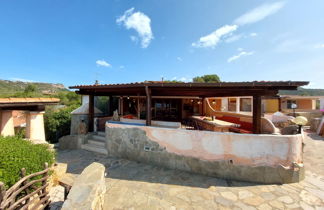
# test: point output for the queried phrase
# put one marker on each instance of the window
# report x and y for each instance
(290, 103)
(245, 104)
(232, 104)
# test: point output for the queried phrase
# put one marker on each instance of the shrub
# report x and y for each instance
(58, 123)
(17, 153)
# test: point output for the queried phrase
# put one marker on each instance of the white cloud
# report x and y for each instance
(253, 34)
(242, 53)
(259, 13)
(211, 40)
(319, 46)
(140, 22)
(239, 49)
(21, 80)
(121, 67)
(234, 38)
(179, 58)
(103, 63)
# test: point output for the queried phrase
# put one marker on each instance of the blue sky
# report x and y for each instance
(117, 41)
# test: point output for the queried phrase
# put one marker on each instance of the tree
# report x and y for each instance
(209, 78)
(30, 88)
(68, 98)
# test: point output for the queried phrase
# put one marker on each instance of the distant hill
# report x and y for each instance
(303, 92)
(8, 87)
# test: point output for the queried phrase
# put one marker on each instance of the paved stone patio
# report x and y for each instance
(132, 185)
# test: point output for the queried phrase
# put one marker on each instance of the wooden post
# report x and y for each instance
(2, 191)
(203, 106)
(279, 104)
(148, 106)
(138, 107)
(256, 114)
(44, 182)
(111, 111)
(121, 103)
(22, 175)
(91, 113)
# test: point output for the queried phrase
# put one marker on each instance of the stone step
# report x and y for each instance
(96, 142)
(98, 138)
(94, 148)
(100, 133)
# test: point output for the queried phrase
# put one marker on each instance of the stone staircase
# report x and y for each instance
(96, 142)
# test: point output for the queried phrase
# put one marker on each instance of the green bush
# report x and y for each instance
(17, 153)
(58, 123)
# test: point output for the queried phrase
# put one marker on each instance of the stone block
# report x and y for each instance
(87, 192)
(71, 141)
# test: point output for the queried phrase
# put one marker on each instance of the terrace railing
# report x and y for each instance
(28, 193)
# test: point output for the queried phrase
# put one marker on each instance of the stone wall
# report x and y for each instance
(75, 122)
(72, 141)
(257, 158)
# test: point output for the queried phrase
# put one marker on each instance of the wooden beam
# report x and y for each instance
(205, 92)
(148, 106)
(24, 107)
(91, 113)
(256, 114)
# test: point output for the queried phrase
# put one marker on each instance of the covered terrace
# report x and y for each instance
(154, 95)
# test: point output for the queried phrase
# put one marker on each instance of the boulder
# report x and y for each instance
(87, 192)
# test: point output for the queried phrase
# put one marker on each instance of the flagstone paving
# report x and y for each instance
(133, 185)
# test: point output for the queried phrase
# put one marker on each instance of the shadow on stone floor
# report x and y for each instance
(314, 136)
(57, 205)
(121, 169)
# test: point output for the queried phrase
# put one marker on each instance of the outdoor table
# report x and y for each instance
(215, 125)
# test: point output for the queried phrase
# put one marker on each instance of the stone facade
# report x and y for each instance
(141, 144)
(76, 119)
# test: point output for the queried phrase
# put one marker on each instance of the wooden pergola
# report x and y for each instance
(256, 89)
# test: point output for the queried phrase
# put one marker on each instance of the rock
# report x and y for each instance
(87, 192)
(290, 130)
(58, 172)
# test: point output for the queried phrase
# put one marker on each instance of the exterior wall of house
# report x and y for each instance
(216, 104)
(6, 123)
(271, 105)
(258, 158)
(321, 102)
(35, 126)
(305, 104)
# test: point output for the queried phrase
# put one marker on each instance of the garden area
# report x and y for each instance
(17, 153)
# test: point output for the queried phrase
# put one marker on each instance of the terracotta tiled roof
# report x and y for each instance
(28, 100)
